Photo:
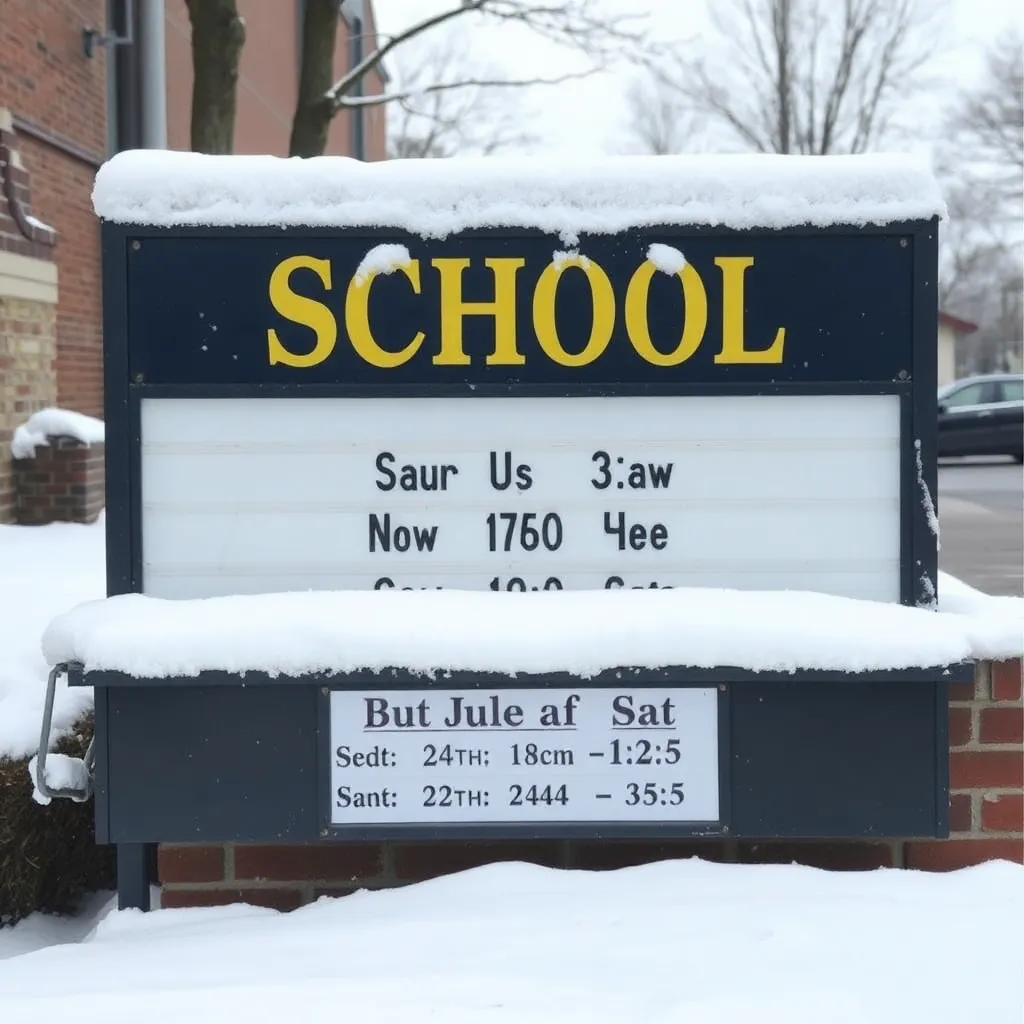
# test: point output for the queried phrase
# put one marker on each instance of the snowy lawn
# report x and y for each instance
(662, 944)
(41, 930)
(44, 570)
(671, 943)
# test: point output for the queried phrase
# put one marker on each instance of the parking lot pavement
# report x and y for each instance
(981, 523)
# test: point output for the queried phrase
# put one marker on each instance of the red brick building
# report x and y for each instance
(79, 81)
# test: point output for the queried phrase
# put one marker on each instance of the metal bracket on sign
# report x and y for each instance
(79, 795)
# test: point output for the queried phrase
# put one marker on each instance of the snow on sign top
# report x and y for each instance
(435, 198)
(583, 632)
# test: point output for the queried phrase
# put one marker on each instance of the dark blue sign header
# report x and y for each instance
(727, 309)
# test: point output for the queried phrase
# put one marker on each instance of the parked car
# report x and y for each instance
(983, 415)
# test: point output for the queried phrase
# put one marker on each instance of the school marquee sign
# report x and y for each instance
(705, 379)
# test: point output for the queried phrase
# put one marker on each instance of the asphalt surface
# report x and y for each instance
(981, 523)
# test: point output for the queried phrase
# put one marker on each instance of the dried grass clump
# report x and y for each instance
(48, 859)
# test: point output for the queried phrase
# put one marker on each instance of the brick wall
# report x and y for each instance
(987, 791)
(21, 233)
(6, 487)
(61, 483)
(986, 766)
(56, 96)
(62, 190)
(27, 383)
(28, 297)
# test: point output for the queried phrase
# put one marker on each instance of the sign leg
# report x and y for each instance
(134, 875)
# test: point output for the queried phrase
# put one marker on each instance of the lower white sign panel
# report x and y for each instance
(407, 757)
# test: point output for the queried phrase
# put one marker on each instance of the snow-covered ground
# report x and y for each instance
(42, 930)
(663, 944)
(670, 943)
(44, 570)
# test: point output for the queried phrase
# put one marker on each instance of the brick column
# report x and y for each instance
(986, 766)
(28, 308)
(281, 877)
(62, 483)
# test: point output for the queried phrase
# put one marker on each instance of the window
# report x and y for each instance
(352, 11)
(358, 124)
(124, 79)
(1013, 390)
(971, 394)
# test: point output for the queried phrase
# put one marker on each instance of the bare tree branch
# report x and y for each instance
(587, 27)
(578, 23)
(463, 83)
(434, 122)
(981, 244)
(657, 121)
(373, 60)
(987, 123)
(805, 76)
(582, 25)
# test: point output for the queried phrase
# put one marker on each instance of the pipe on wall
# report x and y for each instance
(153, 74)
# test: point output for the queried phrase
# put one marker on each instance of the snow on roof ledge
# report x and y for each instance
(583, 632)
(435, 198)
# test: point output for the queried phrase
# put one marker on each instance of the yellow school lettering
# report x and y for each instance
(734, 349)
(357, 320)
(444, 293)
(454, 307)
(603, 325)
(695, 315)
(301, 310)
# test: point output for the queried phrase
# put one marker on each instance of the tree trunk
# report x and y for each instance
(782, 18)
(314, 112)
(218, 34)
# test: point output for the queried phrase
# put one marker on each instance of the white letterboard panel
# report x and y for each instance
(753, 492)
(415, 757)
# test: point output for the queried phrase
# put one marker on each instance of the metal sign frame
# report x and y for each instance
(126, 386)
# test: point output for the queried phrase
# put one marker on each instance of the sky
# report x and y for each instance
(586, 116)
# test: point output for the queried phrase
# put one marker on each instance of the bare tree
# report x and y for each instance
(579, 24)
(974, 238)
(989, 290)
(982, 166)
(986, 125)
(658, 119)
(218, 34)
(439, 123)
(803, 76)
